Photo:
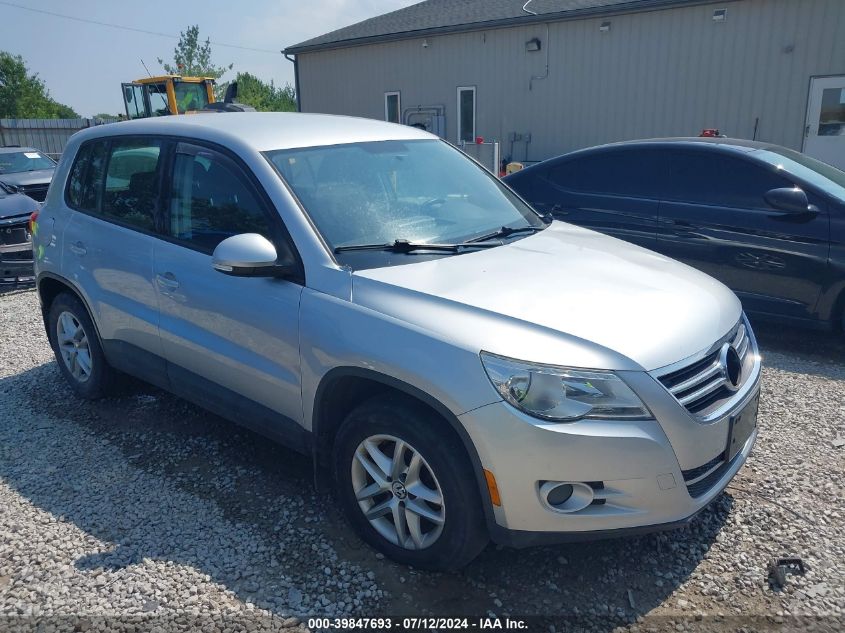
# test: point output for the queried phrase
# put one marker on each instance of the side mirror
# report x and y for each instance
(251, 255)
(790, 200)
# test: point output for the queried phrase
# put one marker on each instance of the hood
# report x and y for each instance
(24, 178)
(566, 296)
(16, 204)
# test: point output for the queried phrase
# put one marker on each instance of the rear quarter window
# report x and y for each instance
(84, 188)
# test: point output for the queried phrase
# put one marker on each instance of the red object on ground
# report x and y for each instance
(479, 140)
(709, 132)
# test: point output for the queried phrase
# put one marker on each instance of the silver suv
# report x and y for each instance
(365, 293)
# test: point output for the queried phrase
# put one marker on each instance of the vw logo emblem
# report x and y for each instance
(731, 365)
(399, 490)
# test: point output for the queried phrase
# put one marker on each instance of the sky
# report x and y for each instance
(84, 64)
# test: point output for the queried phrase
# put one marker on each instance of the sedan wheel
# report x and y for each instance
(398, 492)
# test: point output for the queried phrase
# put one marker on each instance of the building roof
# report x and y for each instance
(448, 16)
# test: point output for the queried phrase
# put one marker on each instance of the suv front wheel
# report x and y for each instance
(405, 485)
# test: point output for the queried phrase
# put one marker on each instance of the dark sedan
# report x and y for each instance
(26, 169)
(767, 221)
(15, 239)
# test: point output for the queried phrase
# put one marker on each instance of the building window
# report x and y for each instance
(392, 107)
(466, 114)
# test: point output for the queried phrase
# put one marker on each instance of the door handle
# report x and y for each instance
(78, 248)
(167, 281)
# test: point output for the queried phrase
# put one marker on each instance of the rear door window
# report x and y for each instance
(715, 179)
(630, 173)
(118, 180)
(132, 182)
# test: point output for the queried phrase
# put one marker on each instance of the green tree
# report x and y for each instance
(265, 97)
(192, 58)
(23, 95)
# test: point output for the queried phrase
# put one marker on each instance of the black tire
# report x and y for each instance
(463, 534)
(101, 377)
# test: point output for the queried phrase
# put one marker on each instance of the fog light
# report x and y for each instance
(564, 496)
(559, 494)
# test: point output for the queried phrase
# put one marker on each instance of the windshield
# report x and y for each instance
(24, 160)
(824, 176)
(379, 192)
(190, 96)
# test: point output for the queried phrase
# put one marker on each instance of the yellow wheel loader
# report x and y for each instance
(174, 94)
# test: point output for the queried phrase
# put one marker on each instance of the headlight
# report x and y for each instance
(562, 394)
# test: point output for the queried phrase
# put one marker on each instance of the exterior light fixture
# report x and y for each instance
(720, 15)
(533, 45)
(604, 27)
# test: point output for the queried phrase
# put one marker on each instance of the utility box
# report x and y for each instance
(429, 118)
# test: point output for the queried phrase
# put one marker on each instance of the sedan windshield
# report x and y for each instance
(421, 191)
(25, 160)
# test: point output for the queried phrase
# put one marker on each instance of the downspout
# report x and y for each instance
(546, 74)
(295, 63)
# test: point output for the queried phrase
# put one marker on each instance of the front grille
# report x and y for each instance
(702, 385)
(36, 192)
(13, 231)
(16, 256)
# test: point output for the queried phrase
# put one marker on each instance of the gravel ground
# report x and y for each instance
(142, 511)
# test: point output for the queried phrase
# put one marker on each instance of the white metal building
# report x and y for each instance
(544, 77)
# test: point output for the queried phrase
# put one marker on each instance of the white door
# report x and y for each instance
(824, 136)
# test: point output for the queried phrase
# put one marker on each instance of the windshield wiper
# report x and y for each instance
(507, 231)
(405, 246)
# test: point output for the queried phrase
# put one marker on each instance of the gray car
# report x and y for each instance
(27, 169)
(16, 210)
(366, 294)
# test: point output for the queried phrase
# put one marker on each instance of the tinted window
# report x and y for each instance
(132, 182)
(715, 179)
(85, 185)
(618, 173)
(824, 176)
(211, 200)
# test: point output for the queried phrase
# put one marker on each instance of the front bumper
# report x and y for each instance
(637, 469)
(16, 263)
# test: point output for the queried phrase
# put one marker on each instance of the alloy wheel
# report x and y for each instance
(398, 492)
(73, 346)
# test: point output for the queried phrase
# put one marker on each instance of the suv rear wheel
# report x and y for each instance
(77, 348)
(406, 486)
